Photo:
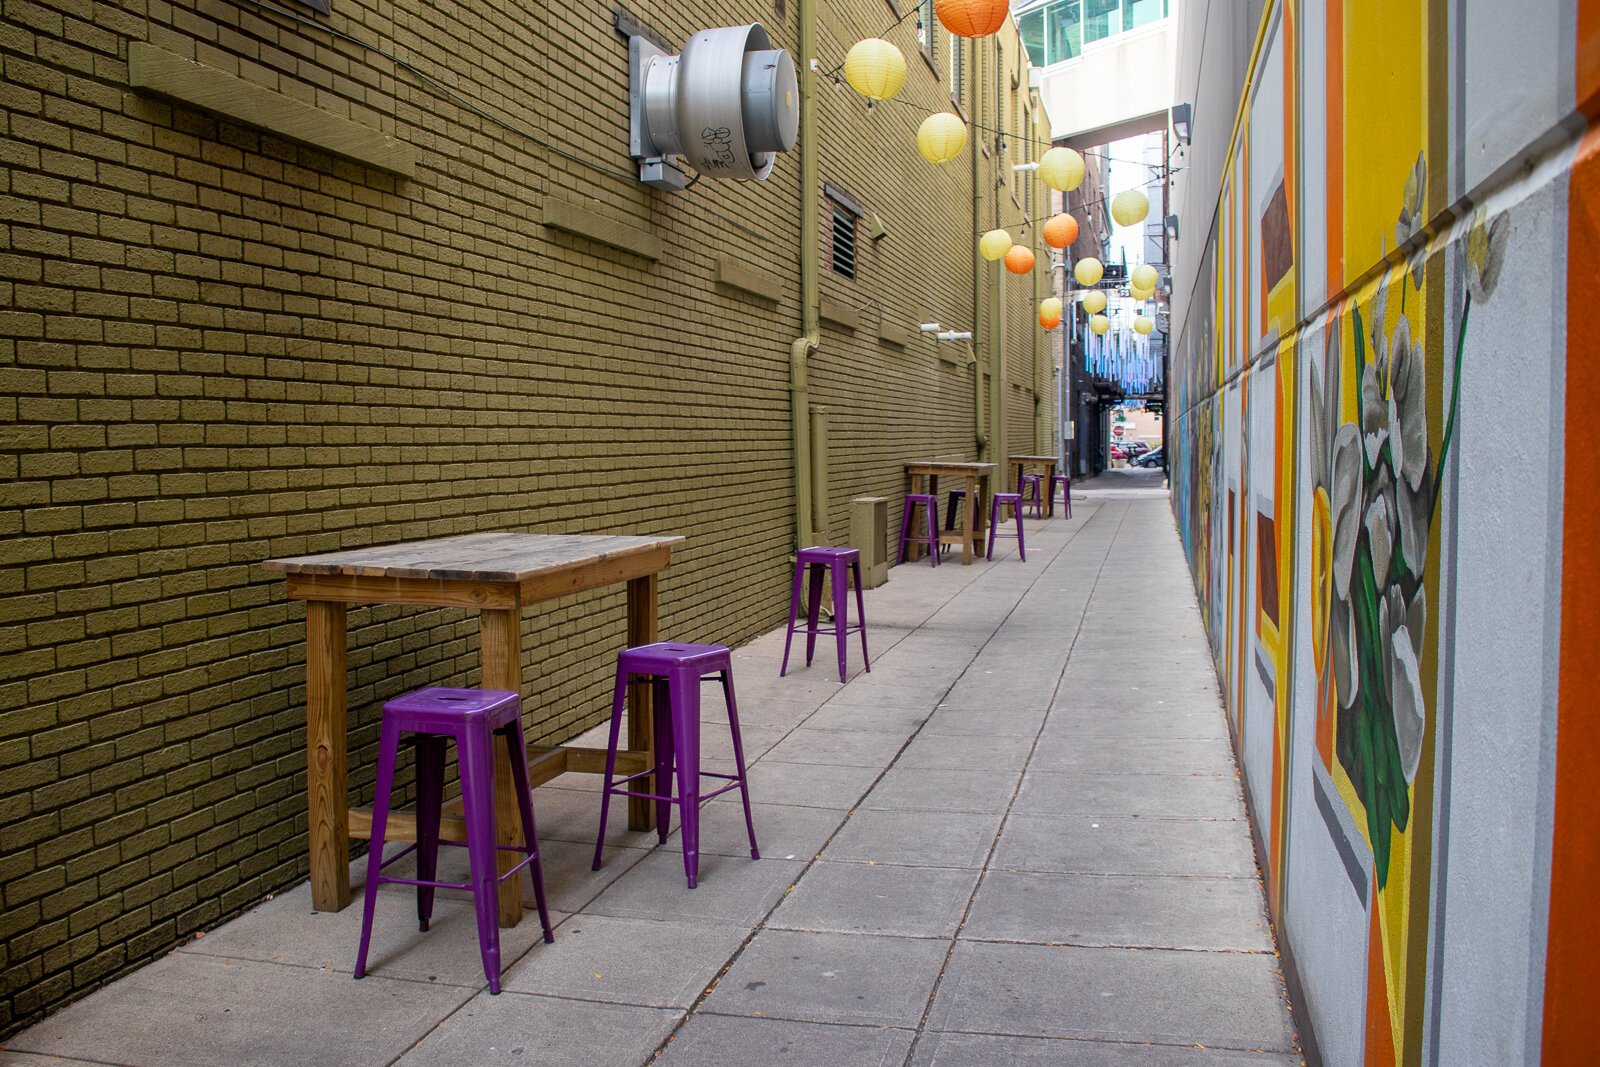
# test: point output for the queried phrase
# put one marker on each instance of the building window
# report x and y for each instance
(1056, 30)
(844, 240)
(925, 28)
(1101, 19)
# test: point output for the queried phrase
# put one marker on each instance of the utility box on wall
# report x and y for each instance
(869, 534)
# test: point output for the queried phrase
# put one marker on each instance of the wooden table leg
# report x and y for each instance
(327, 829)
(500, 652)
(982, 513)
(969, 520)
(642, 593)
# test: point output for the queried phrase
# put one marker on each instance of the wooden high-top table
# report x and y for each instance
(1022, 463)
(974, 517)
(497, 575)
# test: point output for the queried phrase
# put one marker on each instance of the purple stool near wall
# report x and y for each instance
(840, 564)
(1031, 488)
(908, 516)
(955, 498)
(676, 670)
(473, 718)
(1065, 481)
(1015, 500)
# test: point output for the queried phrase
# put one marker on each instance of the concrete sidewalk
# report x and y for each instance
(1018, 840)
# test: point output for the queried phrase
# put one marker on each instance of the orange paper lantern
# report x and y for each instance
(1019, 260)
(1060, 231)
(1050, 312)
(972, 18)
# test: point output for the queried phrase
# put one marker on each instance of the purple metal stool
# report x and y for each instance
(955, 497)
(1015, 500)
(841, 562)
(473, 717)
(676, 670)
(908, 516)
(1065, 481)
(1031, 487)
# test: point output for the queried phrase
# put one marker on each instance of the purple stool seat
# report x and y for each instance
(675, 668)
(1065, 481)
(840, 563)
(1015, 500)
(1031, 488)
(908, 517)
(473, 718)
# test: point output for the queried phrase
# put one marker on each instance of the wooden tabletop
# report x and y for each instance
(479, 557)
(947, 466)
(1032, 459)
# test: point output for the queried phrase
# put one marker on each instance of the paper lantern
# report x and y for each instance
(1019, 260)
(1061, 230)
(1143, 326)
(1141, 294)
(972, 18)
(1129, 207)
(1099, 323)
(1093, 302)
(1061, 169)
(1050, 312)
(875, 68)
(1144, 277)
(941, 137)
(1088, 271)
(994, 245)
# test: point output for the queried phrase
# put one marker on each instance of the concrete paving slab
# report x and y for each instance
(732, 889)
(949, 752)
(990, 1050)
(840, 748)
(1223, 914)
(1161, 796)
(829, 977)
(919, 790)
(915, 838)
(1133, 754)
(656, 963)
(564, 813)
(188, 1009)
(1220, 999)
(1117, 845)
(840, 714)
(761, 708)
(877, 899)
(28, 1059)
(809, 785)
(1020, 718)
(708, 1040)
(784, 831)
(518, 1030)
(570, 881)
(1155, 722)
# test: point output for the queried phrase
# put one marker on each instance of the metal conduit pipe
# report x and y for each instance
(978, 262)
(810, 245)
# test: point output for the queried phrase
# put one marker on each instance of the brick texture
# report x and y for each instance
(218, 346)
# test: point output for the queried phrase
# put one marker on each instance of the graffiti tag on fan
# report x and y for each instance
(719, 148)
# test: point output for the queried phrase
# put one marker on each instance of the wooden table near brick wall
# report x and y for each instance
(497, 575)
(1020, 465)
(925, 475)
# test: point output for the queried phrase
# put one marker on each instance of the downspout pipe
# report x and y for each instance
(806, 343)
(978, 262)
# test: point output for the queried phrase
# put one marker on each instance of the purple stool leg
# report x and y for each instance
(475, 756)
(617, 701)
(813, 608)
(1022, 547)
(994, 520)
(794, 612)
(738, 759)
(661, 711)
(861, 617)
(905, 528)
(933, 530)
(389, 742)
(516, 744)
(839, 577)
(430, 798)
(685, 689)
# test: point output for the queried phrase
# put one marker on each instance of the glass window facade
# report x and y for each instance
(1056, 31)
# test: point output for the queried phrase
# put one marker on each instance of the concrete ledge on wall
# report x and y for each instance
(751, 282)
(892, 333)
(840, 314)
(570, 218)
(153, 70)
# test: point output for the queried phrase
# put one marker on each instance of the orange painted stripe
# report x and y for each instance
(1572, 955)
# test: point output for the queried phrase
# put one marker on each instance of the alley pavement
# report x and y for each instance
(1019, 839)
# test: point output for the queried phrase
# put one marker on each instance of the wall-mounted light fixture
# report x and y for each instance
(1172, 227)
(1180, 122)
(952, 335)
(1024, 166)
(930, 327)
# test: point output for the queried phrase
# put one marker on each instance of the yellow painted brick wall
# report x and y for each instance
(218, 346)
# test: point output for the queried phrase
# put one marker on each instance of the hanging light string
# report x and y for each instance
(834, 73)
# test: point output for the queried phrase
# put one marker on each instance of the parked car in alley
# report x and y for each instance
(1156, 457)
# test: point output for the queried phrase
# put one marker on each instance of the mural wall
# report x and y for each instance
(1384, 476)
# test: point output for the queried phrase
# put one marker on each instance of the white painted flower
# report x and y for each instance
(1405, 697)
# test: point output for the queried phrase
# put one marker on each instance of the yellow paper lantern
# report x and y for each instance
(1061, 230)
(1099, 323)
(875, 68)
(1141, 294)
(941, 137)
(1093, 302)
(1144, 277)
(1061, 169)
(1050, 312)
(1019, 259)
(1088, 271)
(994, 245)
(1129, 207)
(1143, 326)
(972, 18)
